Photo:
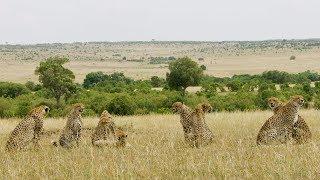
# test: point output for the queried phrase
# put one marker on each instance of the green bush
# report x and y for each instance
(122, 104)
(5, 108)
(12, 90)
(317, 102)
(157, 82)
(93, 78)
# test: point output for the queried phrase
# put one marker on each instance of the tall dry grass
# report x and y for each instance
(158, 151)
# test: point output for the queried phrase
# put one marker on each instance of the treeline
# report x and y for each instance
(122, 95)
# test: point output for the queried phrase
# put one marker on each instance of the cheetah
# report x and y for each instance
(105, 129)
(301, 131)
(71, 133)
(28, 130)
(185, 120)
(203, 135)
(279, 127)
(106, 132)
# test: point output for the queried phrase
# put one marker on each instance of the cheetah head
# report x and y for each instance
(297, 100)
(78, 108)
(177, 107)
(274, 103)
(105, 117)
(39, 112)
(206, 107)
(121, 138)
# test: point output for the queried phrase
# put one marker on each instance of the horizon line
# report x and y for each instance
(155, 41)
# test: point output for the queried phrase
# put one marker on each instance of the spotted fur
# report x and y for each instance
(71, 134)
(121, 138)
(203, 135)
(279, 127)
(28, 130)
(301, 131)
(185, 120)
(106, 132)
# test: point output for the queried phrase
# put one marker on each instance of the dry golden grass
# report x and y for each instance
(158, 151)
(22, 71)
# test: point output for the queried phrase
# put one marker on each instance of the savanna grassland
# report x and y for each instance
(157, 150)
(134, 59)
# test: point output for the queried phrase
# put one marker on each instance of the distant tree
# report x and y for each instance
(292, 57)
(56, 78)
(94, 78)
(183, 73)
(171, 58)
(119, 77)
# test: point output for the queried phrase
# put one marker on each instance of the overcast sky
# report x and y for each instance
(39, 21)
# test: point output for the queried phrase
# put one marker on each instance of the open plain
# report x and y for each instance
(134, 59)
(157, 150)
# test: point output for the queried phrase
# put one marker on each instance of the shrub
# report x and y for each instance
(122, 105)
(5, 108)
(157, 82)
(317, 102)
(277, 77)
(93, 78)
(234, 86)
(12, 90)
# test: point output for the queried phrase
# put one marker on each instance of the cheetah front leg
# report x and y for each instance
(78, 137)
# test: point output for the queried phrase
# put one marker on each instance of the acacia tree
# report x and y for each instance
(183, 73)
(56, 78)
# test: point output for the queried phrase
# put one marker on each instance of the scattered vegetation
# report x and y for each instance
(124, 96)
(161, 60)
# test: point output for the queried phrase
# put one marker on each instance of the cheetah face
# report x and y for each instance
(206, 107)
(39, 112)
(274, 102)
(78, 108)
(298, 101)
(121, 137)
(176, 107)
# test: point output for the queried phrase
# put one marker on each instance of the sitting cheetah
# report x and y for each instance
(105, 129)
(185, 120)
(279, 127)
(200, 129)
(72, 131)
(28, 130)
(106, 132)
(301, 132)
